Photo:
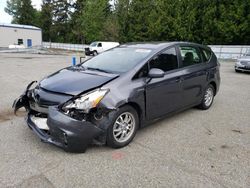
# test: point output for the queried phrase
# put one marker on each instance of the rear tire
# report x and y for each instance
(95, 53)
(208, 98)
(123, 127)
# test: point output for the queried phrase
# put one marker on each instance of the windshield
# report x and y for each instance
(117, 60)
(93, 44)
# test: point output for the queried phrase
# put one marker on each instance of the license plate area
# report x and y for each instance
(41, 123)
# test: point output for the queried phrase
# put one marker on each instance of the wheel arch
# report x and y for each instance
(137, 109)
(215, 86)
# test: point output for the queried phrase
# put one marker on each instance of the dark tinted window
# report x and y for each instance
(20, 41)
(206, 54)
(190, 55)
(99, 45)
(165, 61)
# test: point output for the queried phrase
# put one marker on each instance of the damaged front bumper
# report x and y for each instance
(55, 127)
(65, 132)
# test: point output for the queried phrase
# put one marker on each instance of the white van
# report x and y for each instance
(99, 47)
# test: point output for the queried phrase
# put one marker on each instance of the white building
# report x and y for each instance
(15, 34)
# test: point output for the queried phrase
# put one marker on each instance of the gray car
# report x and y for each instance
(105, 99)
(243, 63)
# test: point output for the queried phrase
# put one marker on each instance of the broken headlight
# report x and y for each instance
(86, 101)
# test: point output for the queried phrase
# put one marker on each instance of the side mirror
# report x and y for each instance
(156, 73)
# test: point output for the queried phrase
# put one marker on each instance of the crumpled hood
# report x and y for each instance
(74, 82)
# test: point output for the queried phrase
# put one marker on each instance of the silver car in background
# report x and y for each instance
(243, 63)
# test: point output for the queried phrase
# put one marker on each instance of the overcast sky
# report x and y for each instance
(6, 18)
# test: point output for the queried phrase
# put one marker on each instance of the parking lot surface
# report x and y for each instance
(191, 149)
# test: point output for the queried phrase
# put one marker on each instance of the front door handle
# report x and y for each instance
(178, 79)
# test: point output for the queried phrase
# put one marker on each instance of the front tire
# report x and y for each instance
(123, 128)
(237, 70)
(208, 98)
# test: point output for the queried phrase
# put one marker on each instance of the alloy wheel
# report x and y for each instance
(209, 95)
(124, 127)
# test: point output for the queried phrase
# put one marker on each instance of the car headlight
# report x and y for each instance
(87, 101)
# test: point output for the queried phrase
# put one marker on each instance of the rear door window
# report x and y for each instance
(190, 55)
(165, 61)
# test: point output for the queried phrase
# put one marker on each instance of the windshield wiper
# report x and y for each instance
(77, 68)
(97, 69)
(82, 67)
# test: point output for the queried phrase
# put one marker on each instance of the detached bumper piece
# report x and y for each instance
(65, 132)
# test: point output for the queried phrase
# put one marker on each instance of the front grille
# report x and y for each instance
(41, 99)
(246, 63)
(244, 68)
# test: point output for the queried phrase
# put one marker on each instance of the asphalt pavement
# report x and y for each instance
(194, 148)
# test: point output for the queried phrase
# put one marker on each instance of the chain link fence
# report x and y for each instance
(221, 51)
(65, 46)
(230, 52)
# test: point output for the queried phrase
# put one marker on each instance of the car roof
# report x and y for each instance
(157, 45)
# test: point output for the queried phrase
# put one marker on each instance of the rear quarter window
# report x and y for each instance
(206, 54)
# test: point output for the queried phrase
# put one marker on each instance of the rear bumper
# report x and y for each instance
(67, 133)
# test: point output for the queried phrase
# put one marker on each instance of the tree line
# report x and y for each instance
(83, 21)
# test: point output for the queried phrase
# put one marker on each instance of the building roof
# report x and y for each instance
(19, 26)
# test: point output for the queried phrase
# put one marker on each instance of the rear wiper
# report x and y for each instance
(97, 69)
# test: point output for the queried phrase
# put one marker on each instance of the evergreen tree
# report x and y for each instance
(93, 18)
(122, 8)
(12, 9)
(22, 12)
(233, 23)
(110, 28)
(46, 20)
(162, 20)
(77, 35)
(27, 13)
(61, 18)
(80, 21)
(139, 20)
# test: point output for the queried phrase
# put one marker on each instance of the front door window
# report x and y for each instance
(165, 61)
